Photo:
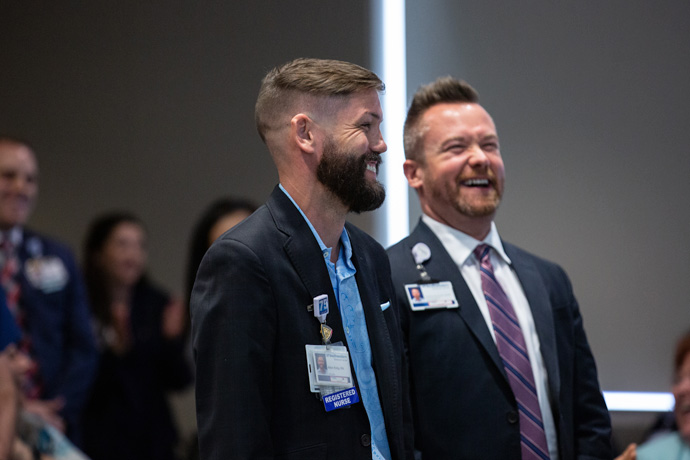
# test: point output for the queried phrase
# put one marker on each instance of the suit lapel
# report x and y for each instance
(442, 267)
(304, 254)
(540, 305)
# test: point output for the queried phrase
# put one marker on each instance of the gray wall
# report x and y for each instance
(591, 100)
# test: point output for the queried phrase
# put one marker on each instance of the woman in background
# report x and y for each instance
(220, 216)
(141, 336)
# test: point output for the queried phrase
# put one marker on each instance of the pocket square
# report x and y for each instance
(385, 305)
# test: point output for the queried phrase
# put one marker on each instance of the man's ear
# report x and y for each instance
(414, 173)
(302, 132)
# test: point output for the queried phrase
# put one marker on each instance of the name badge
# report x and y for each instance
(48, 274)
(428, 296)
(329, 374)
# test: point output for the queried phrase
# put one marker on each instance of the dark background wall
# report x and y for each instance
(148, 106)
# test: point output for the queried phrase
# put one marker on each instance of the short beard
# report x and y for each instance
(343, 173)
(465, 208)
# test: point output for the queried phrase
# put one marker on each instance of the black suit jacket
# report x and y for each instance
(128, 415)
(250, 325)
(463, 405)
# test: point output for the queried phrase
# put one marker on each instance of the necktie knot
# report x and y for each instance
(481, 251)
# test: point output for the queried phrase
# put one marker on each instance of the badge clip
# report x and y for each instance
(421, 254)
(321, 307)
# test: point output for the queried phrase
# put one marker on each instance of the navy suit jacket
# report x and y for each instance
(250, 325)
(59, 322)
(463, 405)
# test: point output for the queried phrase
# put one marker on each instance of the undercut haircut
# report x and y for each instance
(443, 90)
(305, 76)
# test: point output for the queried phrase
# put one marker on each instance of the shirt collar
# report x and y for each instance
(461, 245)
(346, 246)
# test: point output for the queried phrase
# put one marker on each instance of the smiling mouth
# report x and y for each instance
(476, 183)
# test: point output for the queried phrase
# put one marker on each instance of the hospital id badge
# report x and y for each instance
(428, 296)
(330, 375)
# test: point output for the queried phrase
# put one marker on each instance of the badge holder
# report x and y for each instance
(427, 293)
(328, 365)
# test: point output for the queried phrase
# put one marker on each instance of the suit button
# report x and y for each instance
(512, 417)
(366, 440)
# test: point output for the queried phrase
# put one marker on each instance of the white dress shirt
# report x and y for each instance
(460, 247)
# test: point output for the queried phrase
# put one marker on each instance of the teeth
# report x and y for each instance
(371, 167)
(476, 182)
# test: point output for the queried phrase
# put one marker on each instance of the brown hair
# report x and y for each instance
(444, 89)
(16, 141)
(317, 77)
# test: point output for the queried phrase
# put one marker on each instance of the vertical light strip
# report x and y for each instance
(388, 52)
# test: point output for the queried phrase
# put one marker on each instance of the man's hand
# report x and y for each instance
(630, 453)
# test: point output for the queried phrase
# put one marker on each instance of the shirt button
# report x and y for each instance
(512, 417)
(366, 440)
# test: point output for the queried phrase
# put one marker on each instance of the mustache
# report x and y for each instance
(372, 157)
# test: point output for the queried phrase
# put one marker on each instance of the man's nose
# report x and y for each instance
(380, 145)
(478, 157)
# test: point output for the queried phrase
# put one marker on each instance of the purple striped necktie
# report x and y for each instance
(511, 346)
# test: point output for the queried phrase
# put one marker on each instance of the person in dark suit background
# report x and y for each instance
(461, 385)
(45, 292)
(253, 299)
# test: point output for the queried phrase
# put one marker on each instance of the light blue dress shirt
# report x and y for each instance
(342, 275)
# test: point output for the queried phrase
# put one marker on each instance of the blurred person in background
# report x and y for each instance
(676, 444)
(141, 336)
(45, 293)
(23, 435)
(219, 217)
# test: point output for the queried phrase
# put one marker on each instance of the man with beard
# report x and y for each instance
(499, 364)
(294, 280)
